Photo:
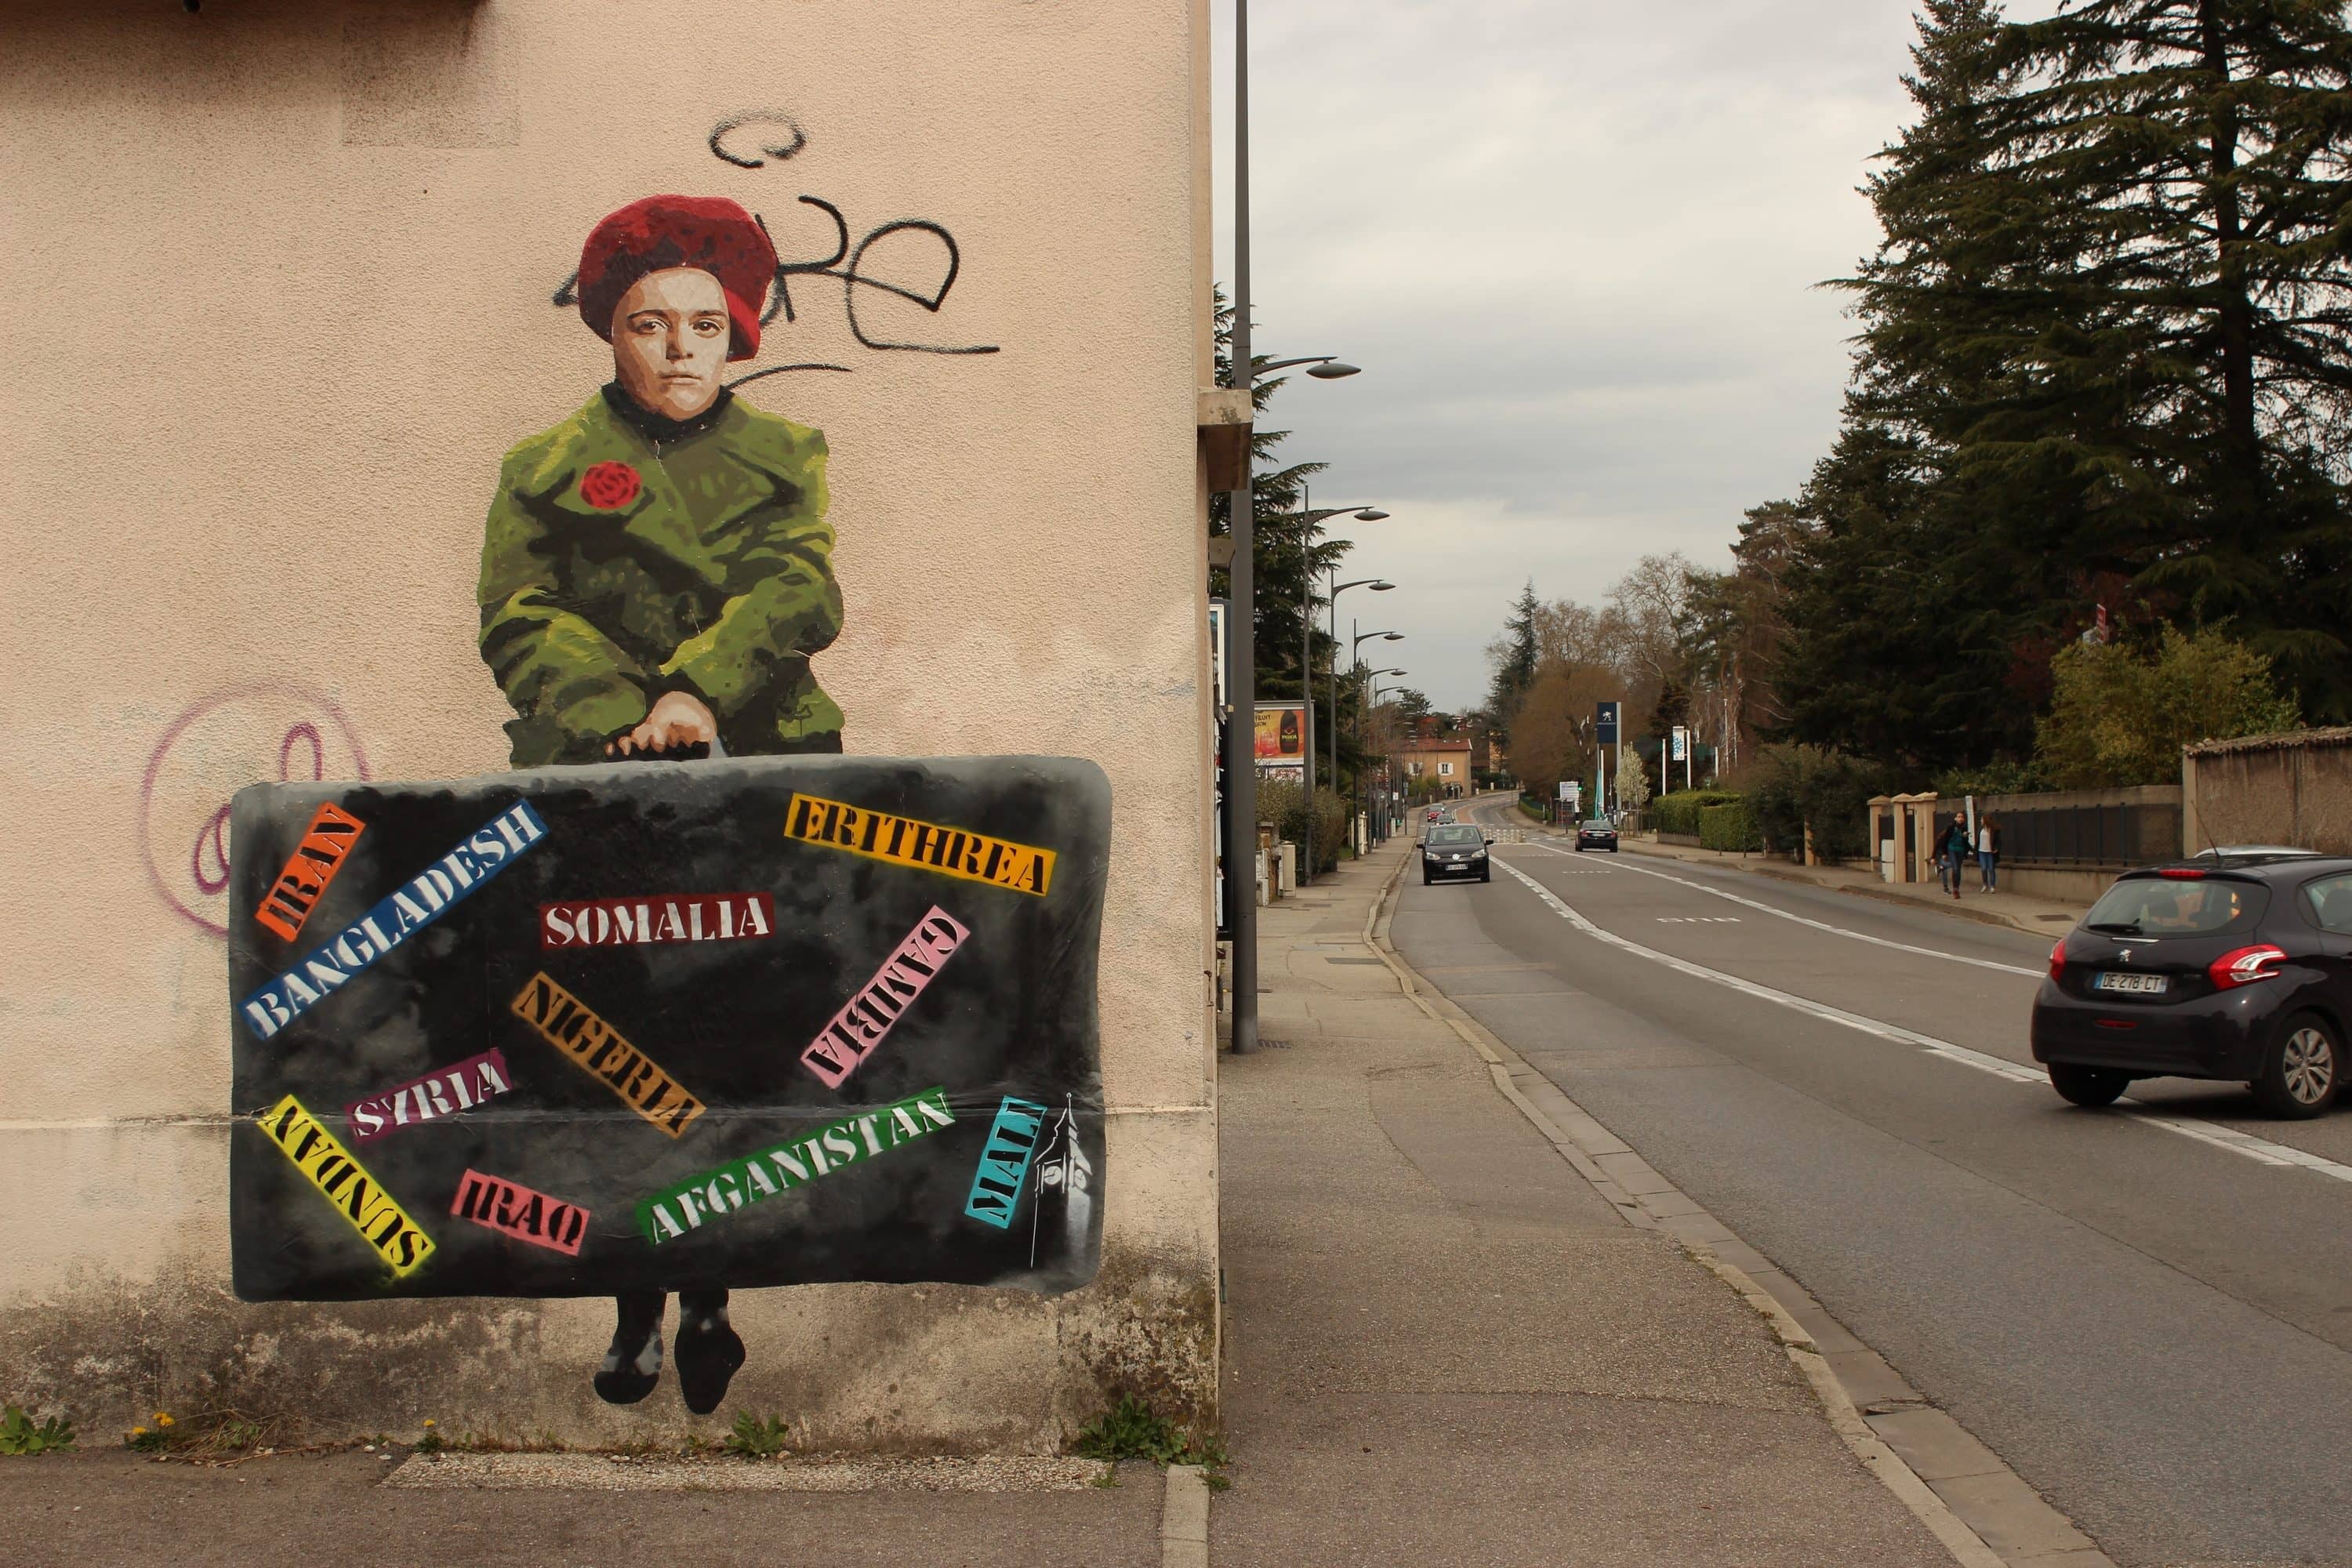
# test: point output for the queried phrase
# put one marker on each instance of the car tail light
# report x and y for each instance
(2181, 874)
(2245, 966)
(2058, 959)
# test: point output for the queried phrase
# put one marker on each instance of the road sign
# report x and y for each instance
(1568, 789)
(1604, 717)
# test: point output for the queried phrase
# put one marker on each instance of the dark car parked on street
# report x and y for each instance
(1453, 849)
(2233, 966)
(1599, 833)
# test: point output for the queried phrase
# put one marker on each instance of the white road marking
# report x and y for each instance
(1698, 920)
(1818, 925)
(2260, 1150)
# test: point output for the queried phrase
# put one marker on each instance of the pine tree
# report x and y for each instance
(1880, 659)
(1514, 656)
(2102, 362)
(2200, 148)
(1925, 577)
(1288, 560)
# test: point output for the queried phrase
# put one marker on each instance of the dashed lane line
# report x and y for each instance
(2262, 1151)
(1817, 925)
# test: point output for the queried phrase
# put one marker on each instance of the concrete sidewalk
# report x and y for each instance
(576, 1510)
(1447, 1345)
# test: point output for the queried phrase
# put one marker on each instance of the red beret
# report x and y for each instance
(659, 232)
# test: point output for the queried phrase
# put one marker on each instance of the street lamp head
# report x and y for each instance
(1371, 514)
(1392, 637)
(1381, 588)
(1333, 370)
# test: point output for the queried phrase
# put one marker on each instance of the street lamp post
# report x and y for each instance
(1305, 521)
(1364, 734)
(1241, 680)
(1354, 654)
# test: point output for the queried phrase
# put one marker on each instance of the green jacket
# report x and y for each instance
(715, 578)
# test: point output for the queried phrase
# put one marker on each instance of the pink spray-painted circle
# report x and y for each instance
(241, 735)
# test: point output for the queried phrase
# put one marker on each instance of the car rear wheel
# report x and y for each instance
(2301, 1069)
(2090, 1087)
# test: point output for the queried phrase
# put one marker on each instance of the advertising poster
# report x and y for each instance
(1281, 736)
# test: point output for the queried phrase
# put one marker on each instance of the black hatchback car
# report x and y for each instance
(1453, 849)
(2231, 966)
(1600, 833)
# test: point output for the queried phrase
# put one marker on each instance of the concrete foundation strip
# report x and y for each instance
(1184, 1519)
(575, 1471)
(1999, 1503)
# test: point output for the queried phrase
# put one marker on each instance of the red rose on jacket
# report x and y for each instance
(609, 487)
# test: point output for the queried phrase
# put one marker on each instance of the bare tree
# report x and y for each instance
(1648, 605)
(1553, 734)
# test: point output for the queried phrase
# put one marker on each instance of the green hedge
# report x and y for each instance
(1730, 827)
(1679, 812)
(1797, 787)
(1284, 804)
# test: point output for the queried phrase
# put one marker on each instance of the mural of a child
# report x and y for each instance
(655, 575)
(657, 570)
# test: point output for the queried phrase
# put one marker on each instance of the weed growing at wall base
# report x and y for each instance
(756, 1440)
(19, 1435)
(1133, 1430)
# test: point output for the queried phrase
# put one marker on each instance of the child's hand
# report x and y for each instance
(679, 719)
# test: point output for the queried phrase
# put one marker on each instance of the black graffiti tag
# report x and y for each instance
(779, 136)
(853, 278)
(753, 141)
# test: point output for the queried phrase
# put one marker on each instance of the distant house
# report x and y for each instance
(1437, 765)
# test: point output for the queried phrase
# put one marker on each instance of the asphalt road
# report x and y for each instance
(2146, 1312)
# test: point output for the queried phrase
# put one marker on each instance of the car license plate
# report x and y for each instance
(2144, 984)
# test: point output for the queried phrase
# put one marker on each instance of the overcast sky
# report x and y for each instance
(1575, 248)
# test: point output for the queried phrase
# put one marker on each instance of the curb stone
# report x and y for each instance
(1994, 1501)
(1184, 1519)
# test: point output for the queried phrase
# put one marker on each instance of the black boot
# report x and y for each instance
(709, 1350)
(633, 1364)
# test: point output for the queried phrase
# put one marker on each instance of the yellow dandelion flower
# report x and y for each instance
(138, 1431)
(162, 1418)
(430, 1422)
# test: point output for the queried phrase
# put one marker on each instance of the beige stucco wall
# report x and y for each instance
(2296, 791)
(282, 276)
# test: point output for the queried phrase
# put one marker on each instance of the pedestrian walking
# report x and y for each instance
(1955, 852)
(1989, 855)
